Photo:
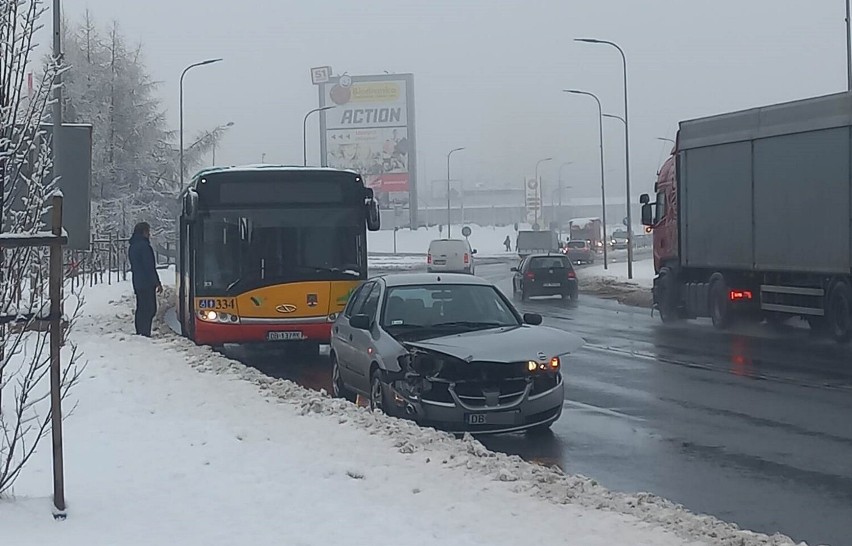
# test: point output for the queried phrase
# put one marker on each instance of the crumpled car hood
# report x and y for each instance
(516, 344)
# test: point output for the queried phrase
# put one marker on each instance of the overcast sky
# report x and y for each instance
(488, 73)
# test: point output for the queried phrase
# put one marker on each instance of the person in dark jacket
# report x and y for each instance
(146, 281)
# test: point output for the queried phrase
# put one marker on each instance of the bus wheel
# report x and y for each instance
(720, 307)
(839, 312)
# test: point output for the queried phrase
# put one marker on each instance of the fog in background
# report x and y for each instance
(488, 74)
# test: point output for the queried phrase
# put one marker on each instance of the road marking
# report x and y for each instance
(600, 410)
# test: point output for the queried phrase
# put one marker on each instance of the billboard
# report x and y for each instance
(370, 130)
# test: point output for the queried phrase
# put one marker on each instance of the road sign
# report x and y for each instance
(320, 74)
(466, 231)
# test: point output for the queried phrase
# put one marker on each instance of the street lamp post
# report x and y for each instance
(559, 216)
(603, 176)
(182, 76)
(448, 188)
(626, 150)
(848, 46)
(305, 132)
(540, 192)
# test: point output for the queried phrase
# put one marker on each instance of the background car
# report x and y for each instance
(450, 256)
(545, 275)
(619, 240)
(579, 252)
(450, 352)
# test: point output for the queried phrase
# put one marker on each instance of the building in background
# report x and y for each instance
(370, 130)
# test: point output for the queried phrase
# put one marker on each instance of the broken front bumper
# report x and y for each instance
(459, 415)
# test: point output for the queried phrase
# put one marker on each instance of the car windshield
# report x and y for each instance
(450, 306)
(550, 262)
(576, 244)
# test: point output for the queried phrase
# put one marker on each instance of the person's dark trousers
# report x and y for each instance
(146, 308)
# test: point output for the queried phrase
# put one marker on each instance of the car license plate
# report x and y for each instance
(285, 336)
(494, 418)
(551, 284)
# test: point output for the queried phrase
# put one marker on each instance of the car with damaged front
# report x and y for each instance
(449, 351)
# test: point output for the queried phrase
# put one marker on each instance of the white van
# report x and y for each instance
(450, 256)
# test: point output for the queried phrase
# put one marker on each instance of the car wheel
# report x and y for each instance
(377, 392)
(337, 386)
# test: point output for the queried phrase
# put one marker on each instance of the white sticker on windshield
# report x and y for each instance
(396, 323)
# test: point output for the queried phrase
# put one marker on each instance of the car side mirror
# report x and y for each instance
(533, 319)
(514, 270)
(647, 215)
(644, 199)
(473, 251)
(360, 322)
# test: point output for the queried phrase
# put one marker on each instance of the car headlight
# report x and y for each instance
(551, 365)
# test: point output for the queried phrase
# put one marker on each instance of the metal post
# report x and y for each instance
(305, 132)
(848, 46)
(540, 193)
(449, 220)
(55, 290)
(182, 76)
(626, 151)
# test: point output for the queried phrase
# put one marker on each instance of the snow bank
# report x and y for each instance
(643, 273)
(159, 454)
(487, 240)
(396, 263)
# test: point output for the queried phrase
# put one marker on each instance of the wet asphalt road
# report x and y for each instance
(753, 426)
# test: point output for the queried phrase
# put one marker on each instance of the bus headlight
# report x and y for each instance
(216, 316)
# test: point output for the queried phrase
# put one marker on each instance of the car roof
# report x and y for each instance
(416, 279)
(448, 241)
(548, 255)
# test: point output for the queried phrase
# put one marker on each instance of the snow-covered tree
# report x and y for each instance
(135, 158)
(27, 183)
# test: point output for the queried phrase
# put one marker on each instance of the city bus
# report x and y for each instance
(270, 253)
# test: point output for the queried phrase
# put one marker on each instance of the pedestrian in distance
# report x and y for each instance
(146, 281)
(508, 243)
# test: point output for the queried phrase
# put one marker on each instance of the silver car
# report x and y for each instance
(451, 352)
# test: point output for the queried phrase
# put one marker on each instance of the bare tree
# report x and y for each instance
(27, 182)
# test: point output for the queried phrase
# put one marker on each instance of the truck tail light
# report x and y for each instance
(530, 276)
(466, 258)
(429, 259)
(740, 295)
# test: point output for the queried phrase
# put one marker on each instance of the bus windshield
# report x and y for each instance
(242, 250)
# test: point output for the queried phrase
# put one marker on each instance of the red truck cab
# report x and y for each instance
(663, 216)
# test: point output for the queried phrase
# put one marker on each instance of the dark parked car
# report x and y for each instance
(545, 275)
(451, 352)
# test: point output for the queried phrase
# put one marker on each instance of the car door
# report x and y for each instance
(344, 334)
(517, 279)
(362, 341)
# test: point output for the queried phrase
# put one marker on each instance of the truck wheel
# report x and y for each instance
(839, 312)
(665, 295)
(720, 307)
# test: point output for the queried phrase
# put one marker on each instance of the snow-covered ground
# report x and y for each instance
(393, 263)
(487, 240)
(174, 444)
(643, 272)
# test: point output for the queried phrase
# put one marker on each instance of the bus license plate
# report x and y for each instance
(285, 336)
